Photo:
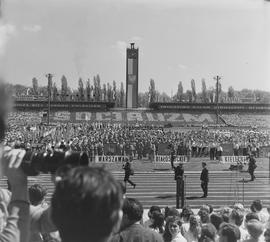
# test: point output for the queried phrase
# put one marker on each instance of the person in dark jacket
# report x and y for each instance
(178, 171)
(128, 173)
(204, 179)
(251, 167)
(131, 230)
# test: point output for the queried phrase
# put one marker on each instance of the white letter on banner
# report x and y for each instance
(117, 116)
(134, 116)
(160, 117)
(173, 117)
(150, 117)
(103, 116)
(61, 116)
(83, 116)
(198, 118)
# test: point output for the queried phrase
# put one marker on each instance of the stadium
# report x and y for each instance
(94, 161)
(196, 131)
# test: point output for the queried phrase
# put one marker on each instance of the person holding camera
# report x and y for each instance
(128, 172)
(16, 226)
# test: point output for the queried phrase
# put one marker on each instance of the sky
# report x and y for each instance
(178, 40)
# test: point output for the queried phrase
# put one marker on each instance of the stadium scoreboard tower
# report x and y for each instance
(132, 64)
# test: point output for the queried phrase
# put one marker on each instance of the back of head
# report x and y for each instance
(208, 232)
(133, 209)
(216, 220)
(255, 228)
(170, 211)
(37, 194)
(230, 231)
(237, 216)
(256, 206)
(86, 204)
(186, 213)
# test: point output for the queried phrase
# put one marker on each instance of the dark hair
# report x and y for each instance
(230, 231)
(158, 221)
(170, 211)
(237, 216)
(36, 194)
(186, 213)
(216, 220)
(250, 216)
(208, 233)
(210, 208)
(154, 208)
(133, 209)
(256, 206)
(86, 204)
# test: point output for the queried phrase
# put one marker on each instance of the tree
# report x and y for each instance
(95, 89)
(80, 90)
(189, 95)
(109, 92)
(35, 86)
(152, 91)
(54, 92)
(204, 91)
(64, 88)
(88, 90)
(114, 91)
(105, 97)
(179, 95)
(122, 95)
(143, 99)
(231, 93)
(193, 90)
(98, 91)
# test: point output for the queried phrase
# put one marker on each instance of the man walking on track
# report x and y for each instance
(128, 172)
(204, 179)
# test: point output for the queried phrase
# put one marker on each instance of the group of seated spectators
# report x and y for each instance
(247, 120)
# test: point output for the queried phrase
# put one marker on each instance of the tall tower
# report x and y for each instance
(132, 65)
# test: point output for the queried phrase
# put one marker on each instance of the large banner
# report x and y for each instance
(167, 159)
(133, 117)
(163, 149)
(110, 158)
(227, 149)
(111, 149)
(234, 160)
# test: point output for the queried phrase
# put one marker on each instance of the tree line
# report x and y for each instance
(93, 90)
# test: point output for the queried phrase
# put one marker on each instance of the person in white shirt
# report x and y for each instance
(173, 230)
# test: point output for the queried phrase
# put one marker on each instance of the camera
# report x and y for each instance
(35, 163)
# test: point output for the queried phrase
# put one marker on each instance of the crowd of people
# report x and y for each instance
(137, 140)
(247, 120)
(89, 204)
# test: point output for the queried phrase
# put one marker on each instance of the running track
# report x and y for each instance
(158, 188)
